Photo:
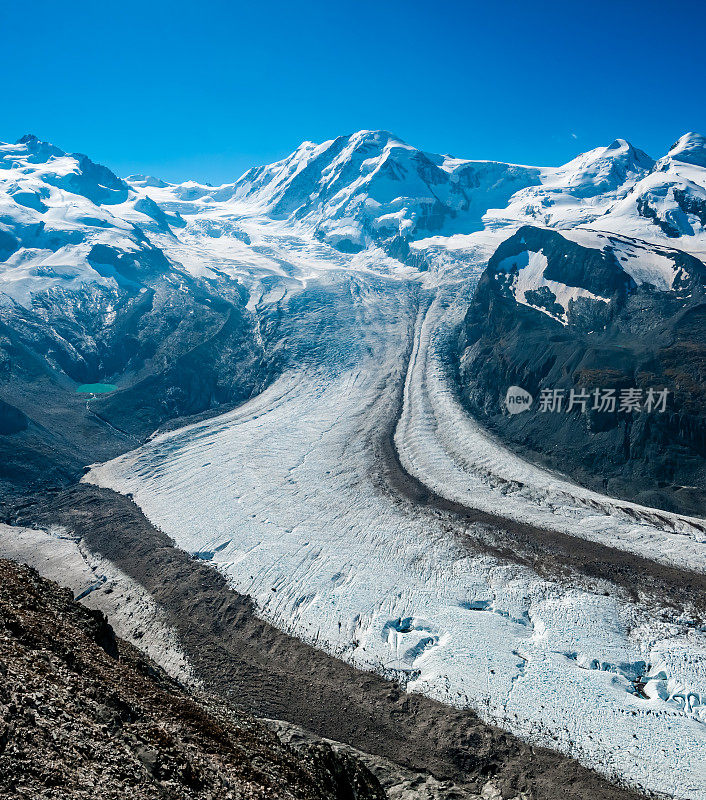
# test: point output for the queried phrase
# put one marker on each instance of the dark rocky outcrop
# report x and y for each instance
(641, 338)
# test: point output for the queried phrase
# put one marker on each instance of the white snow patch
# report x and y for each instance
(529, 268)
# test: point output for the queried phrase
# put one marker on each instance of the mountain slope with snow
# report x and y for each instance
(620, 189)
(577, 192)
(668, 205)
(87, 297)
(372, 187)
(61, 226)
(612, 304)
(300, 327)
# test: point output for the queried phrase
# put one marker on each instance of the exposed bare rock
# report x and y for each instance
(85, 715)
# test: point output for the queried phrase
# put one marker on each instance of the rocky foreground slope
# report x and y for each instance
(84, 715)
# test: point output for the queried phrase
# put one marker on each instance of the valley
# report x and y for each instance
(293, 462)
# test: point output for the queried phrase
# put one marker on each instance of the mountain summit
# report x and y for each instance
(372, 187)
(690, 148)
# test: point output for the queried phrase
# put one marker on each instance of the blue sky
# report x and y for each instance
(207, 89)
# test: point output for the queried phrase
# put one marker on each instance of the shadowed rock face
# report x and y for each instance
(172, 353)
(84, 714)
(639, 337)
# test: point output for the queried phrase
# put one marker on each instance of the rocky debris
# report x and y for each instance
(399, 783)
(85, 715)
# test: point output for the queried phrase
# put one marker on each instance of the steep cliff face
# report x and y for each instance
(551, 314)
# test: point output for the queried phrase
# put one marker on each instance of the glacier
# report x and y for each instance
(285, 496)
(358, 258)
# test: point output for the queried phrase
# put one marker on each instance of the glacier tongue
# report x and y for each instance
(285, 495)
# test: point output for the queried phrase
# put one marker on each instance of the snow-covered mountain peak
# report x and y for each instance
(668, 202)
(603, 169)
(67, 223)
(578, 192)
(32, 149)
(690, 149)
(32, 161)
(146, 181)
(373, 187)
(376, 138)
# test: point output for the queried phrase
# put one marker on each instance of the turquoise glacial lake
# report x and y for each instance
(96, 388)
